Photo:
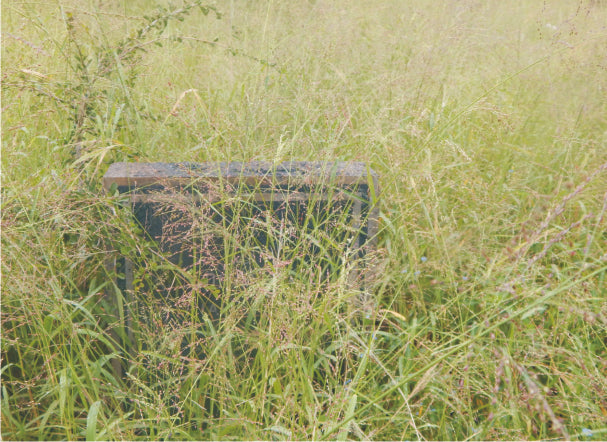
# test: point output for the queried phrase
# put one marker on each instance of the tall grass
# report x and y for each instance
(487, 122)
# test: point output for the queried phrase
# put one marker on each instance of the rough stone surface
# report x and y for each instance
(256, 172)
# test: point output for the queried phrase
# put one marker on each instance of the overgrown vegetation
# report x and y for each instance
(488, 125)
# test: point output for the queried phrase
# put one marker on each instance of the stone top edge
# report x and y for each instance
(142, 174)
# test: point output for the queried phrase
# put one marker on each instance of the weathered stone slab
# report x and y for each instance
(129, 176)
(187, 207)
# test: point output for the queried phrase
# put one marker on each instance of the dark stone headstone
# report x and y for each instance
(294, 214)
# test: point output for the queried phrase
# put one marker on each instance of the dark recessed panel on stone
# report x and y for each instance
(303, 216)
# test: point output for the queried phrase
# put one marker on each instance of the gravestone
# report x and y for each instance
(218, 219)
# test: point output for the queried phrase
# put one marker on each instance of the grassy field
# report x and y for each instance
(487, 122)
